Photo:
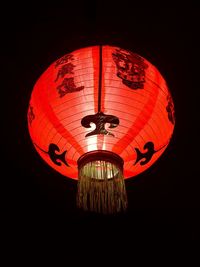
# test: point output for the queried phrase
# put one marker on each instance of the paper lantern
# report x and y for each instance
(101, 114)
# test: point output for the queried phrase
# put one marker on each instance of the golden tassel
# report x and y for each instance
(101, 188)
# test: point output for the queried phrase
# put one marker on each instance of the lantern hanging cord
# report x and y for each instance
(100, 79)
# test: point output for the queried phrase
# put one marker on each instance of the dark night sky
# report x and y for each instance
(163, 201)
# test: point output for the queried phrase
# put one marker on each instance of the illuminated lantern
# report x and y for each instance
(101, 114)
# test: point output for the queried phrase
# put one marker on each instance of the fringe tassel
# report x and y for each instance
(101, 188)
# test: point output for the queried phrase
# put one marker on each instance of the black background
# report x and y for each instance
(163, 201)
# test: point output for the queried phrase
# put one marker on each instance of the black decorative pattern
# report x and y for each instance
(130, 68)
(63, 60)
(31, 115)
(68, 86)
(149, 146)
(65, 72)
(65, 69)
(170, 109)
(146, 155)
(56, 158)
(100, 119)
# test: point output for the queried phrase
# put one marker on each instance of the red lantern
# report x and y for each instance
(101, 114)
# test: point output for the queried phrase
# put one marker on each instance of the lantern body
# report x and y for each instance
(112, 100)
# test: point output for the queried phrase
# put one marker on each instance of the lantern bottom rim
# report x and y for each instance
(102, 155)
